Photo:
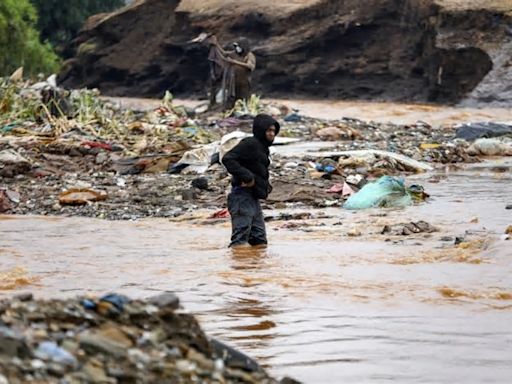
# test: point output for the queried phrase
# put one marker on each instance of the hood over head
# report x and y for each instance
(260, 125)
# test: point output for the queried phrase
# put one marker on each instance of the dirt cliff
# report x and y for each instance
(400, 50)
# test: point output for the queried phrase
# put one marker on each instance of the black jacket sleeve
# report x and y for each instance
(233, 159)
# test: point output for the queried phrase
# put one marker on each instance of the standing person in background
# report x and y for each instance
(239, 65)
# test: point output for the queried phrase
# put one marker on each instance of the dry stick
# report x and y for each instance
(50, 118)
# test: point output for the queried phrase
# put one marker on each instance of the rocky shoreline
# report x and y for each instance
(113, 339)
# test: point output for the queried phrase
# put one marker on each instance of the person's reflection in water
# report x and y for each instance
(248, 257)
(253, 329)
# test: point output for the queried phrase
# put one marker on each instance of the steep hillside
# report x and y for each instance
(401, 50)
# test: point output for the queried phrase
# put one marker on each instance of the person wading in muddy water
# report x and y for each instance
(238, 66)
(248, 164)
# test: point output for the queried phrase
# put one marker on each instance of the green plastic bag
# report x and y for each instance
(385, 192)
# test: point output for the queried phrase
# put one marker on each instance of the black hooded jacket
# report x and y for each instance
(248, 160)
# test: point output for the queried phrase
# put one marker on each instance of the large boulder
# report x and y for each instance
(401, 50)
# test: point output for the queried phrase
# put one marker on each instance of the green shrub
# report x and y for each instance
(19, 41)
(60, 21)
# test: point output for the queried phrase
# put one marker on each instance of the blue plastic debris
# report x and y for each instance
(326, 168)
(88, 304)
(50, 351)
(116, 300)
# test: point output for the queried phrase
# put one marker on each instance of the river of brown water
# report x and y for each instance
(396, 113)
(318, 305)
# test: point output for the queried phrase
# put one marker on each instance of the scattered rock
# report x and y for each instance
(289, 380)
(12, 343)
(200, 183)
(188, 194)
(5, 203)
(141, 344)
(13, 196)
(330, 134)
(354, 232)
(233, 358)
(165, 300)
(94, 372)
(386, 229)
(12, 163)
(417, 227)
(50, 351)
(101, 158)
(94, 343)
(27, 296)
(411, 228)
(423, 226)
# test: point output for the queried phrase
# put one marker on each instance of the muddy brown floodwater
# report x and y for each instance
(319, 305)
(396, 113)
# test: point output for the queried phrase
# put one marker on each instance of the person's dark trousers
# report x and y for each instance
(247, 224)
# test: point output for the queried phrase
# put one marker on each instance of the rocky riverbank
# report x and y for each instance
(114, 339)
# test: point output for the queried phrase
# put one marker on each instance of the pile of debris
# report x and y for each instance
(114, 340)
(80, 122)
(73, 153)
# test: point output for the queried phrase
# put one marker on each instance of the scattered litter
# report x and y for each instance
(80, 196)
(429, 145)
(347, 190)
(143, 159)
(336, 188)
(354, 179)
(385, 192)
(473, 131)
(50, 351)
(491, 147)
(222, 214)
